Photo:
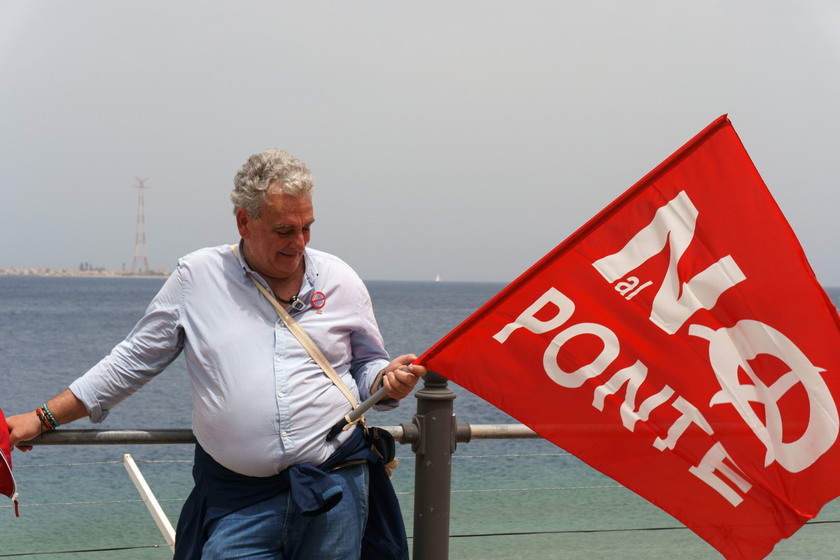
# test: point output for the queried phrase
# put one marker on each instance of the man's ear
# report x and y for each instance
(243, 220)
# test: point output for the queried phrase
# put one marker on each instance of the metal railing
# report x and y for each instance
(433, 435)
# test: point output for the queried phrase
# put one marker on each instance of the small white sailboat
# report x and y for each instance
(437, 278)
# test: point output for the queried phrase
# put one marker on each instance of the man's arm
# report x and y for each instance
(25, 427)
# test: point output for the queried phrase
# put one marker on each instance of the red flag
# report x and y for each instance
(680, 344)
(7, 479)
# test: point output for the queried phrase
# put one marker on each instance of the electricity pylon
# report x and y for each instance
(141, 261)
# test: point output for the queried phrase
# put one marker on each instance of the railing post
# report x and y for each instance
(433, 472)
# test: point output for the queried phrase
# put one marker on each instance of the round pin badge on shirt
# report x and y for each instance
(318, 300)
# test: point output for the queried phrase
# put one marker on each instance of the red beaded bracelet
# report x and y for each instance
(45, 425)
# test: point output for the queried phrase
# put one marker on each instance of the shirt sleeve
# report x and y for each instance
(369, 355)
(154, 343)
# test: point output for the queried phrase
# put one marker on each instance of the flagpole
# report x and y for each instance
(357, 413)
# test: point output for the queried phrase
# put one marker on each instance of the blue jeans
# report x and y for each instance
(275, 529)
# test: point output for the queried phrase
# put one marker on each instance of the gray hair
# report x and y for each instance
(267, 170)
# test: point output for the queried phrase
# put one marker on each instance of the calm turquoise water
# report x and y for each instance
(535, 500)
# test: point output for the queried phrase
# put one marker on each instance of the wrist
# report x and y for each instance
(46, 419)
(378, 382)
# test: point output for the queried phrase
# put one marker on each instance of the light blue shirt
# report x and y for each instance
(260, 403)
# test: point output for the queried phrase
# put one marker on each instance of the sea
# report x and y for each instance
(509, 498)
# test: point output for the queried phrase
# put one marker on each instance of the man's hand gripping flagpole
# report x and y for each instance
(396, 385)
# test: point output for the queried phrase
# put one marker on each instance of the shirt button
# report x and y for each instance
(283, 434)
(278, 359)
(280, 395)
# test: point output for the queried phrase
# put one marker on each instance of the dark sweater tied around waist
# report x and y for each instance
(219, 491)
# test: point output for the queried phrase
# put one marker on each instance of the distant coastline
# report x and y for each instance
(95, 273)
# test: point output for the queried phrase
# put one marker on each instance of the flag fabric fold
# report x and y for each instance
(8, 486)
(679, 343)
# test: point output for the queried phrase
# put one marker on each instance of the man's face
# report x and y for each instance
(274, 242)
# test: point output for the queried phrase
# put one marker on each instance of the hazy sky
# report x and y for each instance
(465, 139)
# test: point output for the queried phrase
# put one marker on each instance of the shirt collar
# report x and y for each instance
(240, 254)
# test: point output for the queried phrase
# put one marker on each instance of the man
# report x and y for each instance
(261, 406)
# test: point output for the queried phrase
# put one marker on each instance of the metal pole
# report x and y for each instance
(403, 434)
(113, 437)
(433, 472)
(151, 502)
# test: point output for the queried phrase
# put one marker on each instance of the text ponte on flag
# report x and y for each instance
(679, 343)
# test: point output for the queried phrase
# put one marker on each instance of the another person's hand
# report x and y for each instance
(401, 376)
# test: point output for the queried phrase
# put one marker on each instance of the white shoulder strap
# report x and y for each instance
(304, 340)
